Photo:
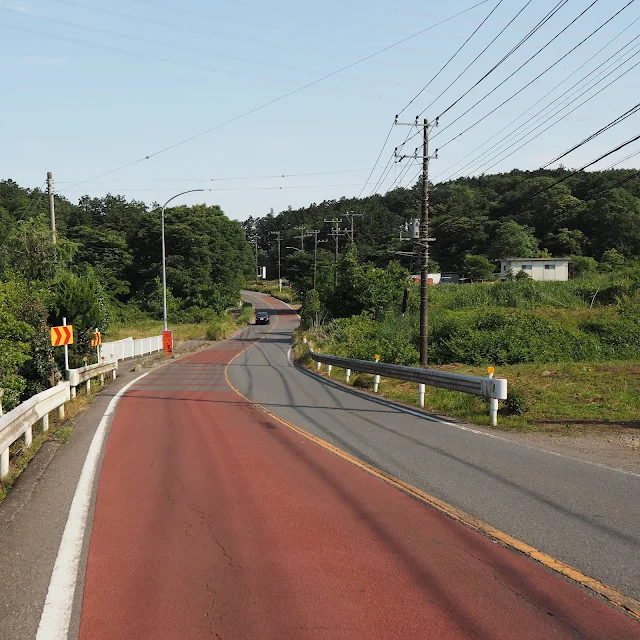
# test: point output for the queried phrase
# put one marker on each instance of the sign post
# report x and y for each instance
(96, 341)
(167, 342)
(63, 336)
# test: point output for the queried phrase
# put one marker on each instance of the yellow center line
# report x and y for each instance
(618, 599)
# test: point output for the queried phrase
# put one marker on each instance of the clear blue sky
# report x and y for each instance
(125, 79)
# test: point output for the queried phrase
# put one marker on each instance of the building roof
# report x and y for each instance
(536, 259)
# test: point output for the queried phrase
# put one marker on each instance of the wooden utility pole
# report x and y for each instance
(315, 233)
(302, 236)
(424, 239)
(52, 207)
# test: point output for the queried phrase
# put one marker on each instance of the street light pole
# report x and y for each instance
(164, 259)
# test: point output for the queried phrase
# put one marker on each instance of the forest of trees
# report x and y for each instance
(591, 214)
(105, 267)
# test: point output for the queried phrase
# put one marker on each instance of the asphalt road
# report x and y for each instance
(580, 513)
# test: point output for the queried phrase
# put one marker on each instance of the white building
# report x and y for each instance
(537, 268)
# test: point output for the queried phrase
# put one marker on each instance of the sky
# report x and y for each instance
(149, 98)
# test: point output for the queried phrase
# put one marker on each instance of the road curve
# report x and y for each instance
(213, 519)
(585, 515)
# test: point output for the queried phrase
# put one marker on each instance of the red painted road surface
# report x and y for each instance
(215, 521)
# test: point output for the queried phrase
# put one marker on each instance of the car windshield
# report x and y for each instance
(262, 314)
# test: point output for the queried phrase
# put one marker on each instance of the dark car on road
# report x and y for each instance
(262, 317)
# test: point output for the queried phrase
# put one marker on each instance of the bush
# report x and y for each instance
(363, 381)
(246, 314)
(220, 327)
(514, 405)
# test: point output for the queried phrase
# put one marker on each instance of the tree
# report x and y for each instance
(477, 267)
(612, 260)
(511, 240)
(566, 242)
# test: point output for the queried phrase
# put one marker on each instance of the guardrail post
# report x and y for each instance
(376, 383)
(88, 387)
(318, 366)
(1, 394)
(421, 392)
(347, 374)
(329, 367)
(493, 411)
(114, 374)
(28, 436)
(102, 378)
(45, 423)
(61, 412)
(4, 463)
(73, 392)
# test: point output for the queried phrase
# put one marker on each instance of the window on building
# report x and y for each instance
(527, 267)
(550, 266)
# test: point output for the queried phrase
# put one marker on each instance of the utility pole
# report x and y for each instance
(424, 239)
(254, 239)
(278, 235)
(352, 216)
(52, 207)
(302, 236)
(336, 232)
(315, 233)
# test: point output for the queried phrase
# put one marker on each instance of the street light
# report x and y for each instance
(164, 261)
(295, 249)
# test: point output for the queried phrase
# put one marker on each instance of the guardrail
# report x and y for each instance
(130, 348)
(20, 421)
(75, 377)
(494, 389)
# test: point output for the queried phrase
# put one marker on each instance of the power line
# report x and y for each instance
(617, 162)
(532, 81)
(468, 155)
(475, 59)
(573, 173)
(384, 144)
(446, 64)
(617, 184)
(280, 98)
(540, 24)
(553, 124)
(613, 123)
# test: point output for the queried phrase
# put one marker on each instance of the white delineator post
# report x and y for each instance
(376, 378)
(493, 403)
(347, 374)
(421, 392)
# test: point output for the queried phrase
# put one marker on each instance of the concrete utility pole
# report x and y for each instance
(278, 235)
(352, 216)
(255, 242)
(52, 207)
(424, 239)
(315, 233)
(336, 232)
(302, 236)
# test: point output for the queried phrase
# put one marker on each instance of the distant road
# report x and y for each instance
(582, 514)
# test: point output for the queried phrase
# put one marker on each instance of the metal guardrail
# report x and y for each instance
(130, 348)
(20, 421)
(494, 389)
(77, 376)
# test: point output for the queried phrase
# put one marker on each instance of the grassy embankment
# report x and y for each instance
(571, 351)
(270, 287)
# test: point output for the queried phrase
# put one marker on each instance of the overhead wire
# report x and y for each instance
(451, 58)
(442, 68)
(279, 98)
(599, 132)
(468, 155)
(476, 58)
(534, 79)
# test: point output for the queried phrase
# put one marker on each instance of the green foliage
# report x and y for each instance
(583, 266)
(220, 327)
(311, 310)
(515, 404)
(246, 314)
(477, 267)
(511, 240)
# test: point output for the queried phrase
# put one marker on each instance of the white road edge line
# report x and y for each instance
(289, 356)
(58, 605)
(436, 420)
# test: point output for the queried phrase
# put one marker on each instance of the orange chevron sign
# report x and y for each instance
(97, 339)
(61, 335)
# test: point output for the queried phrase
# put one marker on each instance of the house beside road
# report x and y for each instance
(537, 268)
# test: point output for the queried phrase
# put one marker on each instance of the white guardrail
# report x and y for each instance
(20, 421)
(130, 348)
(494, 389)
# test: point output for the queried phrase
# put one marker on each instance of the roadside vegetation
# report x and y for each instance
(286, 294)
